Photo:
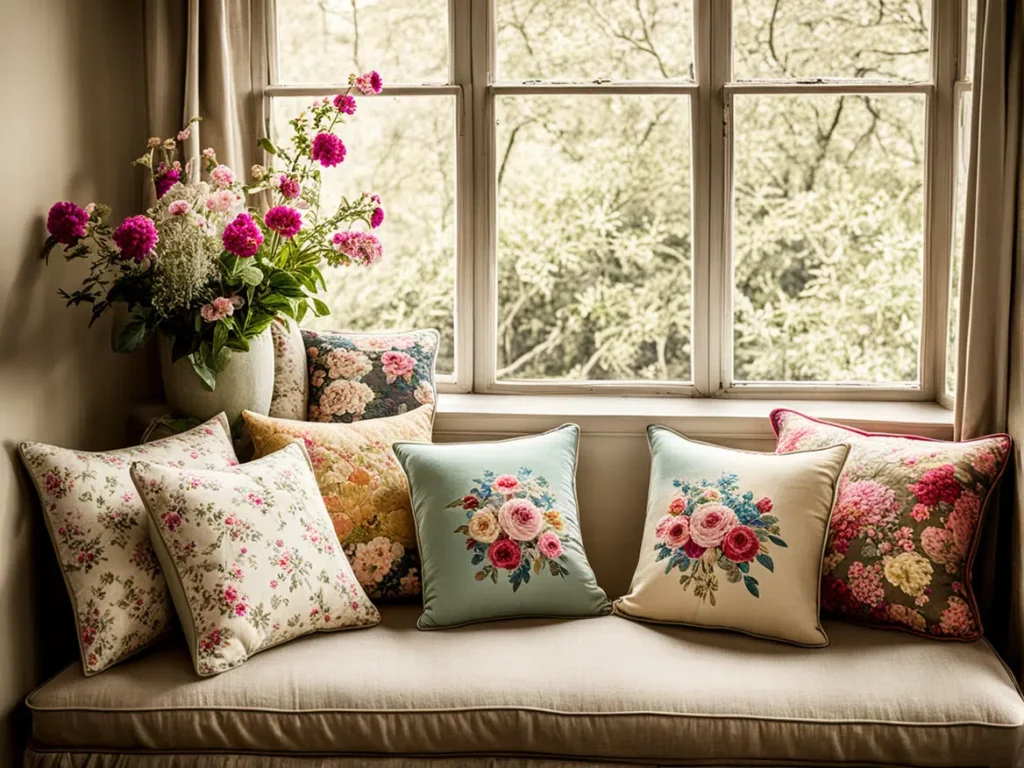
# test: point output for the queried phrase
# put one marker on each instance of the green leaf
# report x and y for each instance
(267, 146)
(767, 562)
(777, 541)
(251, 275)
(319, 308)
(137, 330)
(745, 567)
(751, 584)
(205, 373)
(220, 337)
(285, 284)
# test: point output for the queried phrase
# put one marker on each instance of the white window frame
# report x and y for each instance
(472, 83)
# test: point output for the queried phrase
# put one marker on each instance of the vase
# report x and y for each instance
(245, 384)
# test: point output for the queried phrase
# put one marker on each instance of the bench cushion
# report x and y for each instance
(600, 688)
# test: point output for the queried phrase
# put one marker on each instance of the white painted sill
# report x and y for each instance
(700, 418)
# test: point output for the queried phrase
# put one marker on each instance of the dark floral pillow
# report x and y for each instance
(355, 376)
(905, 525)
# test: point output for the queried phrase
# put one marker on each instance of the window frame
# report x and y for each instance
(471, 81)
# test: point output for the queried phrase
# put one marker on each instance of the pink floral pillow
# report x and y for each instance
(905, 525)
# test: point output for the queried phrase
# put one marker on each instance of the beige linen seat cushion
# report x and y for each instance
(602, 688)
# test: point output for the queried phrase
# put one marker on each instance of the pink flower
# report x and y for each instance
(859, 504)
(661, 529)
(710, 522)
(240, 609)
(397, 365)
(520, 519)
(505, 485)
(920, 513)
(221, 201)
(937, 485)
(284, 220)
(66, 222)
(184, 133)
(345, 104)
(693, 549)
(740, 544)
(222, 176)
(165, 177)
(360, 247)
(764, 506)
(957, 620)
(230, 594)
(221, 307)
(136, 237)
(866, 583)
(985, 463)
(290, 188)
(505, 553)
(677, 534)
(677, 506)
(369, 82)
(179, 208)
(242, 237)
(549, 545)
(963, 521)
(209, 153)
(328, 150)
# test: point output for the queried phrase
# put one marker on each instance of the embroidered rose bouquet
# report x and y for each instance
(209, 270)
(713, 525)
(513, 525)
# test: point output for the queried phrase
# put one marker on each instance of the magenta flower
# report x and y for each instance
(242, 237)
(166, 176)
(345, 104)
(377, 217)
(66, 222)
(369, 82)
(136, 237)
(361, 247)
(284, 220)
(290, 188)
(328, 150)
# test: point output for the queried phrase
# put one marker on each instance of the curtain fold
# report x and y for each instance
(990, 390)
(208, 58)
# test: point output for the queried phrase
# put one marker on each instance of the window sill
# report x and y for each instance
(700, 418)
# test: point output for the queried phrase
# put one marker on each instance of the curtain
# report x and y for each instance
(208, 58)
(990, 388)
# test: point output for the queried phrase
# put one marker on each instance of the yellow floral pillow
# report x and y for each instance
(364, 489)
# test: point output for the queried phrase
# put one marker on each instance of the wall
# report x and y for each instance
(73, 118)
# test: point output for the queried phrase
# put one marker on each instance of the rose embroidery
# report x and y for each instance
(711, 526)
(512, 524)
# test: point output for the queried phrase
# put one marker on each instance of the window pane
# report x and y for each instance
(972, 37)
(591, 39)
(831, 38)
(828, 237)
(959, 225)
(404, 150)
(594, 276)
(322, 41)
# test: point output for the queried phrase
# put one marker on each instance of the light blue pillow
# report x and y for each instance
(498, 530)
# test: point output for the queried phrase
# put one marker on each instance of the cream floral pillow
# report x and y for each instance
(734, 539)
(250, 556)
(291, 381)
(364, 488)
(98, 527)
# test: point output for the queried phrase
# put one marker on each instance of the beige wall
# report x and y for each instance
(73, 117)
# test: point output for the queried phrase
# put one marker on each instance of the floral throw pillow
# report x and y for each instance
(733, 539)
(97, 524)
(355, 376)
(250, 556)
(291, 380)
(498, 530)
(905, 527)
(364, 489)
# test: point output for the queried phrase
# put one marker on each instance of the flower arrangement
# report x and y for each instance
(513, 525)
(714, 525)
(205, 268)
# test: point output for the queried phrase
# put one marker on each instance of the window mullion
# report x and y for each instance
(940, 180)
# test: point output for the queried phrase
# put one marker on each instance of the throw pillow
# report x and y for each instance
(97, 524)
(906, 525)
(354, 376)
(364, 489)
(498, 530)
(250, 556)
(291, 379)
(733, 539)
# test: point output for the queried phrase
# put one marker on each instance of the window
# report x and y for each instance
(699, 197)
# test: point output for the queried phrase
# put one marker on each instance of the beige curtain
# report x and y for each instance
(208, 58)
(990, 388)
